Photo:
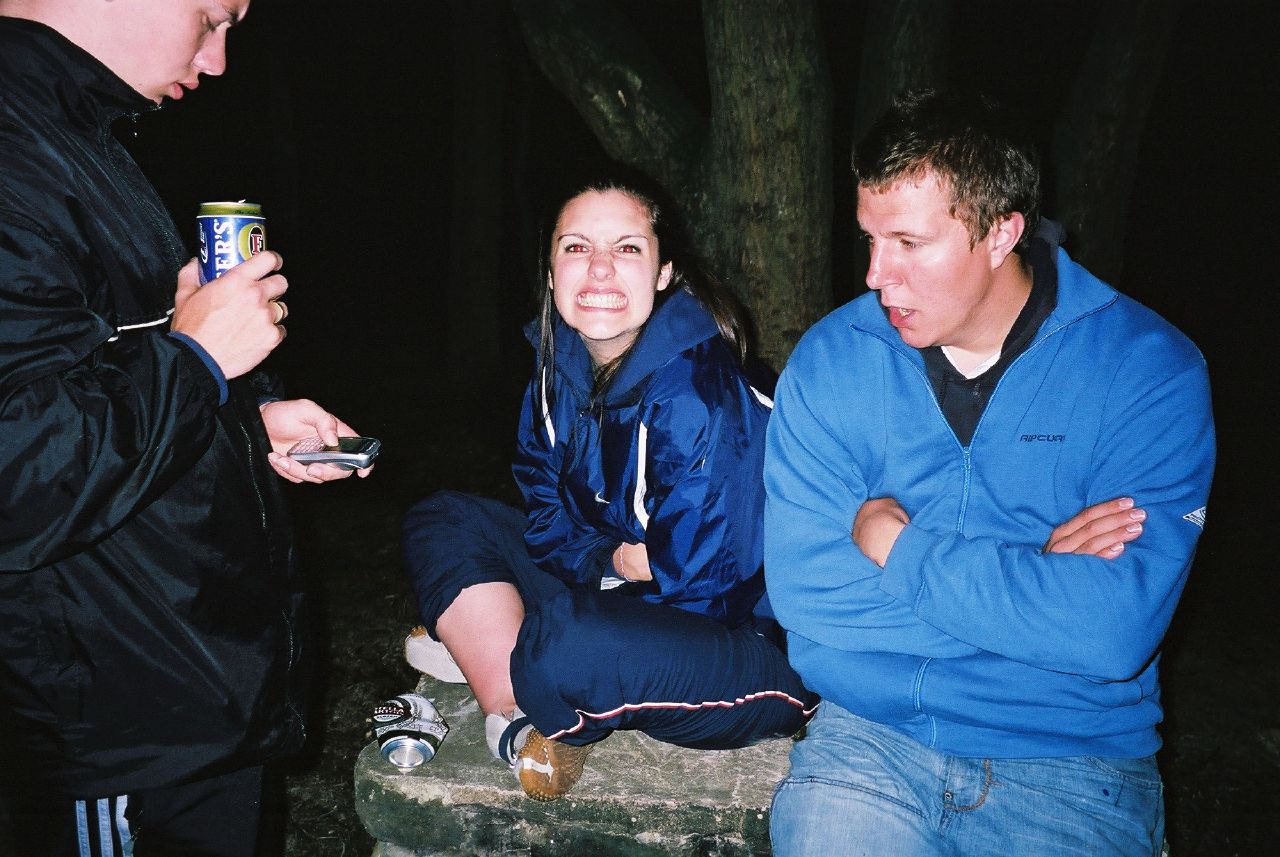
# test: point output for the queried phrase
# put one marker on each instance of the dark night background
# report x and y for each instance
(338, 117)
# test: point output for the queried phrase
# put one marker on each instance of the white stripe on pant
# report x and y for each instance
(96, 820)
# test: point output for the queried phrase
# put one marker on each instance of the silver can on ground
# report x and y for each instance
(408, 729)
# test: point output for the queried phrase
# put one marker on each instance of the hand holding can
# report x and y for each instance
(235, 318)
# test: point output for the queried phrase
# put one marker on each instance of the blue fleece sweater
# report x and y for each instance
(971, 640)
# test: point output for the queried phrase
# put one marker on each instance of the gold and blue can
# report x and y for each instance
(230, 232)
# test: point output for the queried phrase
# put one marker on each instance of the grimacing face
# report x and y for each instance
(606, 270)
(161, 47)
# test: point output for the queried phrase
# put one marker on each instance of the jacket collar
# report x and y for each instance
(680, 323)
(48, 65)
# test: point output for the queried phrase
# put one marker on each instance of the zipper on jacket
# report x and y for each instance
(968, 459)
(253, 477)
(966, 452)
(291, 638)
(163, 226)
(1009, 369)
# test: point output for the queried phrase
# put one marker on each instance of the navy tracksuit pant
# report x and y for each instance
(221, 816)
(589, 662)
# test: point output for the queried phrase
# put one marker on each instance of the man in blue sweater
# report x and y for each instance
(986, 650)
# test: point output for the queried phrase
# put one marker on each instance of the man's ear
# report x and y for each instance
(1004, 236)
(664, 276)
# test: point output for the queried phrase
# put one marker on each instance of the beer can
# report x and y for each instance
(230, 232)
(408, 729)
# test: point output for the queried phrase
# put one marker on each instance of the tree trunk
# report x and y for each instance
(765, 217)
(1099, 130)
(622, 92)
(754, 177)
(906, 46)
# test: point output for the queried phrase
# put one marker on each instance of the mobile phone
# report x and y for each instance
(351, 453)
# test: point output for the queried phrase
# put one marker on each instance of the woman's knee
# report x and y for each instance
(451, 523)
(451, 541)
(442, 508)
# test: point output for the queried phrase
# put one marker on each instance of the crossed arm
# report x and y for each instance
(1100, 530)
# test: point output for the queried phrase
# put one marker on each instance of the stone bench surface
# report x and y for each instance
(637, 797)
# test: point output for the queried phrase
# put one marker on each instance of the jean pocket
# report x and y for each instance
(1140, 773)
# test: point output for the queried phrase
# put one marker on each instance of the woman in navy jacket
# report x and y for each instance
(631, 593)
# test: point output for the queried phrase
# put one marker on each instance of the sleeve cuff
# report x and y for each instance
(903, 576)
(208, 361)
(597, 568)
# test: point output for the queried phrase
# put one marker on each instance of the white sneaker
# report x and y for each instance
(430, 657)
(506, 735)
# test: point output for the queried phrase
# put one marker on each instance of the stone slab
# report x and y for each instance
(637, 797)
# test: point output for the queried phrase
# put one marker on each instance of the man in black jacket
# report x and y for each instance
(149, 605)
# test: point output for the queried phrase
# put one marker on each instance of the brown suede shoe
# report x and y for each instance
(548, 769)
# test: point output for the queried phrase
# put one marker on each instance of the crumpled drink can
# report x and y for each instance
(408, 729)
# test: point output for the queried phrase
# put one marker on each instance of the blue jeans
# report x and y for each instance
(859, 788)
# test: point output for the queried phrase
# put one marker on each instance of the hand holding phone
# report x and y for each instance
(351, 453)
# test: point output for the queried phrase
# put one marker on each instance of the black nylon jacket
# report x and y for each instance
(149, 606)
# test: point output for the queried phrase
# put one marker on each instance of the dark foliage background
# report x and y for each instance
(337, 117)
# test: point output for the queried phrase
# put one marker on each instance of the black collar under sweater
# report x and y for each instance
(962, 399)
